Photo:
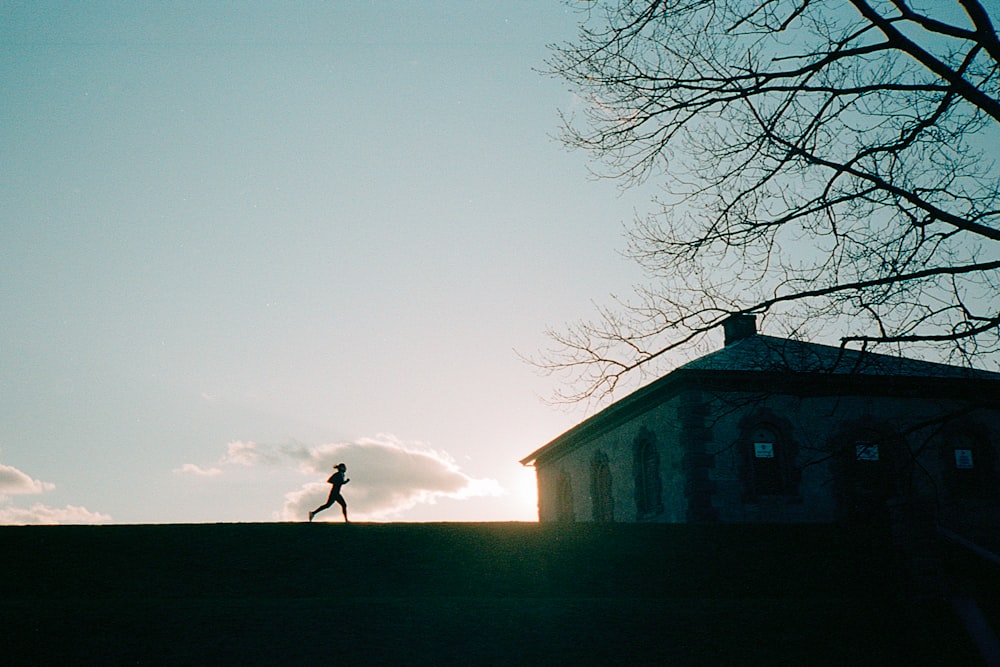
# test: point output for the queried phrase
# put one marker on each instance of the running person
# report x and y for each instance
(337, 480)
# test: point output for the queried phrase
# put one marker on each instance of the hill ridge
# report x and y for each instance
(462, 593)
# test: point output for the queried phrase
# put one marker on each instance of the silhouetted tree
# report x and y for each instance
(824, 163)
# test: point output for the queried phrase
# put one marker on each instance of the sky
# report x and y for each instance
(243, 242)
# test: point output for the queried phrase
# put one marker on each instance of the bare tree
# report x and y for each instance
(823, 163)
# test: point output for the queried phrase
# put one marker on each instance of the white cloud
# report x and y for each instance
(41, 514)
(249, 454)
(388, 476)
(198, 471)
(15, 482)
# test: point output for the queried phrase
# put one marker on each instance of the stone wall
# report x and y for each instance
(701, 440)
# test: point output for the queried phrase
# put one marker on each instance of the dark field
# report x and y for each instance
(462, 594)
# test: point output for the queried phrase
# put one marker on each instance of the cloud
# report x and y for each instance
(250, 454)
(198, 471)
(15, 482)
(388, 476)
(40, 514)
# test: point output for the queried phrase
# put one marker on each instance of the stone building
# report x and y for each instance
(774, 430)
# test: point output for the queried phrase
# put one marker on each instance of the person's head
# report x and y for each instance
(341, 467)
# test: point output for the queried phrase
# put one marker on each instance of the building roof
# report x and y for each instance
(768, 353)
(753, 360)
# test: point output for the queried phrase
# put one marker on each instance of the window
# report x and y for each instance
(871, 464)
(875, 466)
(564, 498)
(969, 466)
(647, 474)
(768, 459)
(767, 474)
(600, 489)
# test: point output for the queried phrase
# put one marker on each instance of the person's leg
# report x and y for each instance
(343, 507)
(329, 501)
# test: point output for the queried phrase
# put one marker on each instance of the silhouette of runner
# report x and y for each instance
(337, 480)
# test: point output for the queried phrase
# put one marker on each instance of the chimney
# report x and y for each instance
(738, 327)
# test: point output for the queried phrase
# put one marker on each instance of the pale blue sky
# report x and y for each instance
(241, 242)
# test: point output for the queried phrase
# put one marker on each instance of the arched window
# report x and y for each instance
(647, 475)
(871, 465)
(873, 460)
(600, 489)
(766, 462)
(768, 459)
(564, 498)
(969, 466)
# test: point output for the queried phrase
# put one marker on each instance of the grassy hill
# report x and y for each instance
(469, 594)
